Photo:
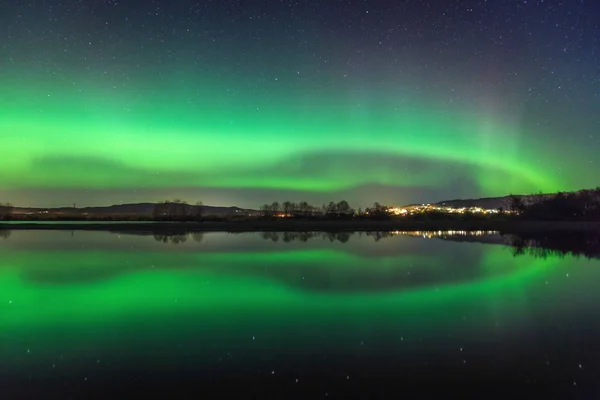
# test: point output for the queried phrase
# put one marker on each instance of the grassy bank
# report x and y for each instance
(502, 226)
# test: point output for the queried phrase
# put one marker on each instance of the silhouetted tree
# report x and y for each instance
(313, 211)
(331, 209)
(343, 208)
(583, 205)
(171, 210)
(198, 211)
(265, 211)
(179, 208)
(378, 211)
(288, 208)
(303, 208)
(516, 204)
(275, 207)
(6, 210)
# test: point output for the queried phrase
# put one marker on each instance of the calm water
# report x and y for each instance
(100, 314)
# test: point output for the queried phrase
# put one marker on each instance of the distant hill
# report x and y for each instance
(139, 209)
(487, 202)
(493, 202)
(146, 209)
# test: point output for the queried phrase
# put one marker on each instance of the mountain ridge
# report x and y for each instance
(141, 209)
(147, 208)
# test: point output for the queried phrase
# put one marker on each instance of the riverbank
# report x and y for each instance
(310, 225)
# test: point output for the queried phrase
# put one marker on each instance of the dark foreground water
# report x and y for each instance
(108, 315)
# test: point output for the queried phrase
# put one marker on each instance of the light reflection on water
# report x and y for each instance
(387, 309)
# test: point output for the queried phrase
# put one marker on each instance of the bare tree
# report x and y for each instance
(303, 208)
(516, 204)
(288, 208)
(275, 208)
(265, 211)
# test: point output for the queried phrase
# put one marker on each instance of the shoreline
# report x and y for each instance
(307, 226)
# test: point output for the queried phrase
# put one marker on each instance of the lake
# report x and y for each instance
(87, 314)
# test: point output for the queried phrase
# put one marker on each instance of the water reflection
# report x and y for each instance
(397, 260)
(171, 238)
(334, 236)
(178, 237)
(288, 237)
(344, 236)
(338, 313)
(538, 244)
(586, 244)
(306, 261)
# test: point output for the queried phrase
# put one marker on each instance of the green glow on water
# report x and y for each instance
(199, 286)
(62, 301)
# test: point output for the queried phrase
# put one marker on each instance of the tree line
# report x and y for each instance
(284, 236)
(583, 205)
(339, 236)
(550, 244)
(303, 209)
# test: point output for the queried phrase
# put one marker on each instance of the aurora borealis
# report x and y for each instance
(231, 103)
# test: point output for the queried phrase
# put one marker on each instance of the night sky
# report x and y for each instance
(246, 102)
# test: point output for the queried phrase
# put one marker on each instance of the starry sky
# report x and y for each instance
(246, 102)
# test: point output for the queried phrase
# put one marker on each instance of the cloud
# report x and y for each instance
(355, 168)
(323, 168)
(359, 177)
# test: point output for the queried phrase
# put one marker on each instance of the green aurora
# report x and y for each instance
(61, 300)
(110, 102)
(78, 137)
